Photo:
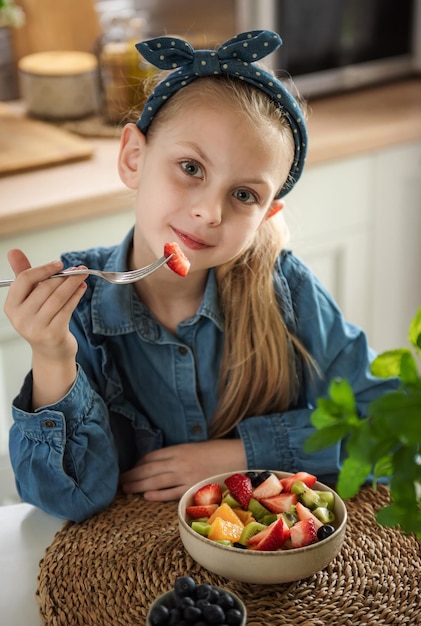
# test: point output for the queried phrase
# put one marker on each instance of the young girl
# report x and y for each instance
(157, 385)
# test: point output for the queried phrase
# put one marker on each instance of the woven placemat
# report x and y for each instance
(107, 570)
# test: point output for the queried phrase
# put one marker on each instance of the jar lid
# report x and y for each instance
(58, 63)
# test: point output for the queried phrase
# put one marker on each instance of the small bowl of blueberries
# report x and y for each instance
(194, 603)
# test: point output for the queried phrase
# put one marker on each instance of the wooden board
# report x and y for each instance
(56, 25)
(27, 144)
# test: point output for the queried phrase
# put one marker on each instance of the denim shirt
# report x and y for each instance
(139, 387)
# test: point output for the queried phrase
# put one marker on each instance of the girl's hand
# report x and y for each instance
(40, 311)
(165, 474)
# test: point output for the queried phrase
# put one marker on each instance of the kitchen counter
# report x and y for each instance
(339, 126)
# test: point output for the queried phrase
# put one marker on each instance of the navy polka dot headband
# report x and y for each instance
(234, 58)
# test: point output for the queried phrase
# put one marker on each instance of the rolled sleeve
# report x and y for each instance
(58, 452)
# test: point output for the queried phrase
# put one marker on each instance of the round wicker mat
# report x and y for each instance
(107, 570)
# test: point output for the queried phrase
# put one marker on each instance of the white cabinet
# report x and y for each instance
(357, 223)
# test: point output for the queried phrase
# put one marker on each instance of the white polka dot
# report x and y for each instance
(162, 57)
(245, 44)
(202, 62)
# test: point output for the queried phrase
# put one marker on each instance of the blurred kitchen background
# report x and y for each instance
(69, 75)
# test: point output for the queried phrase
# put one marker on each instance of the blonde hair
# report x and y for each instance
(258, 372)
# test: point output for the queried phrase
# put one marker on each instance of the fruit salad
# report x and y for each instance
(259, 511)
(178, 262)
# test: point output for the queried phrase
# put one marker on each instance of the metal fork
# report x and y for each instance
(118, 278)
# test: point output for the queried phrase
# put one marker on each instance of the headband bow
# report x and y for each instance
(234, 58)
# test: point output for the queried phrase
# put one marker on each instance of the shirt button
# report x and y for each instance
(196, 429)
(49, 423)
(182, 350)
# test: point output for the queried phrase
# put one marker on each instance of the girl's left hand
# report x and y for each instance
(167, 473)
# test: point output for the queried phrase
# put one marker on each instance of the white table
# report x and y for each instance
(25, 533)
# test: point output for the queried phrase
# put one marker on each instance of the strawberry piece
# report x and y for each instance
(305, 477)
(304, 513)
(303, 533)
(276, 537)
(239, 486)
(280, 503)
(179, 263)
(209, 494)
(199, 511)
(269, 487)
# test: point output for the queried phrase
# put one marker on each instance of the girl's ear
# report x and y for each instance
(131, 148)
(275, 207)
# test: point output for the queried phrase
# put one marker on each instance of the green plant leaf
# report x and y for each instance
(398, 413)
(389, 363)
(352, 476)
(383, 467)
(342, 394)
(326, 437)
(325, 414)
(414, 335)
(409, 370)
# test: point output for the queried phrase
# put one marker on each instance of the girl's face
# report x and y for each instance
(206, 178)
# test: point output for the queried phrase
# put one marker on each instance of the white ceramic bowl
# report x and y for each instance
(168, 598)
(251, 566)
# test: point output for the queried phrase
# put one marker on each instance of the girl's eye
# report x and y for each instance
(244, 195)
(192, 168)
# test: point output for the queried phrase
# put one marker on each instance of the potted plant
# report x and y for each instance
(386, 445)
(11, 15)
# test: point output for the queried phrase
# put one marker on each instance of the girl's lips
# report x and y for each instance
(191, 242)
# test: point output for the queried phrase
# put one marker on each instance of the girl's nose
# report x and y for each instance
(210, 212)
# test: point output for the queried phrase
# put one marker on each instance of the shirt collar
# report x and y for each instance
(116, 309)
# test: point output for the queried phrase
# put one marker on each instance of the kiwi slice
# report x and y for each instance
(328, 499)
(324, 515)
(201, 527)
(249, 530)
(230, 500)
(259, 511)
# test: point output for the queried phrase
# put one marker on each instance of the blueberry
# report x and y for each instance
(233, 617)
(159, 615)
(214, 615)
(254, 477)
(184, 586)
(237, 544)
(203, 591)
(325, 531)
(192, 614)
(226, 601)
(175, 617)
(201, 603)
(184, 603)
